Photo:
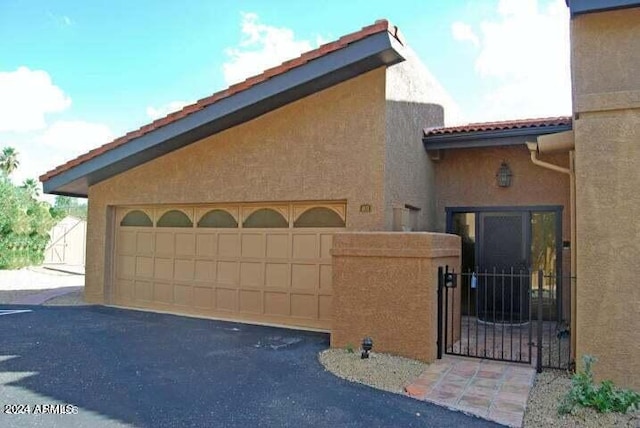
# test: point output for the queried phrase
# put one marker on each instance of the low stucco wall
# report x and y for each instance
(385, 286)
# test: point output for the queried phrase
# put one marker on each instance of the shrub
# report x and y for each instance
(604, 398)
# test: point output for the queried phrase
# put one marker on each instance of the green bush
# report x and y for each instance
(604, 398)
(24, 226)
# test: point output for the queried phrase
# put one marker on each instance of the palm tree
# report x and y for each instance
(9, 160)
(31, 186)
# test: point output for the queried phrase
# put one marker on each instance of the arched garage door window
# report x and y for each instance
(319, 217)
(218, 218)
(136, 218)
(174, 218)
(265, 218)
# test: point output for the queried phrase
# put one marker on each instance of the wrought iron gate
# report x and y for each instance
(516, 316)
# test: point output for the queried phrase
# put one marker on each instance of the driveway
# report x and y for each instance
(129, 368)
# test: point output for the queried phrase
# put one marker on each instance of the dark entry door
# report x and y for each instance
(503, 242)
(503, 284)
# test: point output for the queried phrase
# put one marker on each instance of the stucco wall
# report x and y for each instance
(606, 88)
(467, 177)
(328, 146)
(411, 105)
(385, 287)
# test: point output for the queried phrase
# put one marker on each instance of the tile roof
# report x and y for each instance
(378, 27)
(499, 126)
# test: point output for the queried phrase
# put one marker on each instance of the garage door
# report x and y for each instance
(254, 263)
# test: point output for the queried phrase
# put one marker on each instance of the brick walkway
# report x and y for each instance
(489, 389)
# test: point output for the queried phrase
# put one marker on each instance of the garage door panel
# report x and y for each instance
(251, 274)
(185, 244)
(250, 301)
(276, 303)
(126, 267)
(205, 271)
(144, 243)
(164, 243)
(277, 275)
(326, 273)
(326, 243)
(325, 310)
(252, 245)
(183, 295)
(304, 276)
(228, 245)
(163, 268)
(127, 242)
(278, 246)
(203, 297)
(304, 305)
(227, 273)
(226, 299)
(163, 292)
(144, 267)
(143, 291)
(206, 244)
(305, 246)
(124, 290)
(184, 270)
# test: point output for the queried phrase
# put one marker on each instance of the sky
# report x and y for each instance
(77, 74)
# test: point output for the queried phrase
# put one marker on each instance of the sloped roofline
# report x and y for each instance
(376, 45)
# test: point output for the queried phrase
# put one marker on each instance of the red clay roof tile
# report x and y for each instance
(497, 126)
(378, 27)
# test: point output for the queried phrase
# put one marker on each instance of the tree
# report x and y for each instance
(9, 160)
(66, 205)
(31, 187)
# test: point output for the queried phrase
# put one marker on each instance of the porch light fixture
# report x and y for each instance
(503, 176)
(367, 345)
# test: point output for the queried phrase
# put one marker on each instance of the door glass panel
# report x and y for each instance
(543, 242)
(464, 225)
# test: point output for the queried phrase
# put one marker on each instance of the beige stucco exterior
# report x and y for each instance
(606, 96)
(467, 177)
(336, 145)
(385, 287)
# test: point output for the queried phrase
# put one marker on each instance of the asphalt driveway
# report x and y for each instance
(129, 368)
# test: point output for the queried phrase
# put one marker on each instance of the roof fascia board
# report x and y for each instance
(504, 137)
(323, 72)
(578, 7)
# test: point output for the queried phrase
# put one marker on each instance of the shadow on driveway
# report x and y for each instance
(124, 367)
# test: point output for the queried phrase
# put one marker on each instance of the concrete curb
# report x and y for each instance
(40, 298)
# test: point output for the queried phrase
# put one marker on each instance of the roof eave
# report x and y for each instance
(493, 138)
(581, 7)
(359, 57)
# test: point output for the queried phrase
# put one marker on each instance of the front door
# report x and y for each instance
(502, 271)
(503, 241)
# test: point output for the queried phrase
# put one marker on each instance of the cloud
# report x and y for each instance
(261, 47)
(158, 112)
(75, 137)
(27, 96)
(463, 32)
(523, 60)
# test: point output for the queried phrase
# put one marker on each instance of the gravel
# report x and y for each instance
(547, 392)
(74, 298)
(382, 371)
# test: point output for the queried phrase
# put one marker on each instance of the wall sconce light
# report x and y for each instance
(503, 176)
(367, 345)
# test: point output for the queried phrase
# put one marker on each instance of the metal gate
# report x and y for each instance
(516, 316)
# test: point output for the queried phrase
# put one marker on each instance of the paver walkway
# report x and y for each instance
(489, 389)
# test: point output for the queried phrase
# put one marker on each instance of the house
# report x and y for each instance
(251, 204)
